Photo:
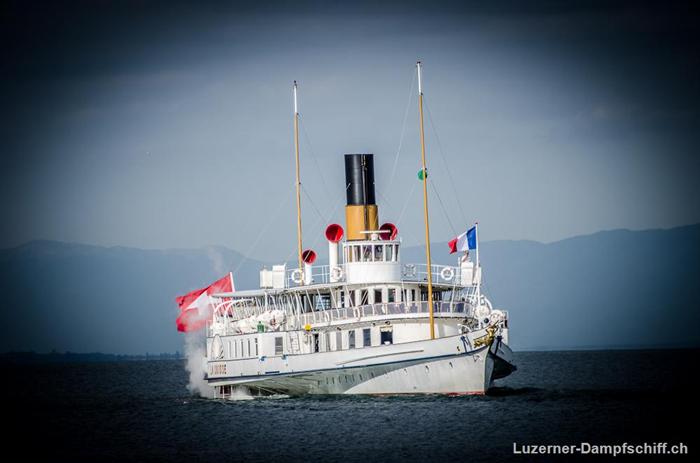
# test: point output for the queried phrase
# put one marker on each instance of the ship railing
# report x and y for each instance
(387, 309)
(321, 274)
(383, 309)
(441, 274)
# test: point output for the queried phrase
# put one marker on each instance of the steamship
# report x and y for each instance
(366, 323)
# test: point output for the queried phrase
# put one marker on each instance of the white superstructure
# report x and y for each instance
(366, 333)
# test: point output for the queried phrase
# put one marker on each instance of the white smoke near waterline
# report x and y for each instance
(195, 351)
(195, 342)
(240, 393)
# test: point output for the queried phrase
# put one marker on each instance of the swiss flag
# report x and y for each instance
(195, 306)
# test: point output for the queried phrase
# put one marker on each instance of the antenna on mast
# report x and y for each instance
(424, 177)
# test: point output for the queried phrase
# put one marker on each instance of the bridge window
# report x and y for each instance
(389, 252)
(378, 296)
(366, 253)
(366, 337)
(378, 252)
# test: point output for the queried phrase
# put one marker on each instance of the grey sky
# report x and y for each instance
(171, 126)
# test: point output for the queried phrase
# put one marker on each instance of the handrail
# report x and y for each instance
(442, 274)
(386, 309)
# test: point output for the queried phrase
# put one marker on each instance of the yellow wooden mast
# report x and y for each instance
(298, 181)
(425, 204)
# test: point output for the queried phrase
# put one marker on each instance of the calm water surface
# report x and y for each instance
(143, 411)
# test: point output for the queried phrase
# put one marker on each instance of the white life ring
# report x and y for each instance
(297, 276)
(337, 273)
(409, 270)
(447, 273)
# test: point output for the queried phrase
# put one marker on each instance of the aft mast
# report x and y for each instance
(424, 175)
(298, 181)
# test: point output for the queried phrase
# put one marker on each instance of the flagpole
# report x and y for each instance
(476, 238)
(298, 181)
(478, 264)
(425, 204)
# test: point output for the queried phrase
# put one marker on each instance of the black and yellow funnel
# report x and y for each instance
(361, 213)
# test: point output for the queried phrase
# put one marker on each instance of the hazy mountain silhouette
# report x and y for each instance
(616, 288)
(610, 289)
(86, 298)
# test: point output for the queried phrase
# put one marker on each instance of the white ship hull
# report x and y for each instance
(442, 366)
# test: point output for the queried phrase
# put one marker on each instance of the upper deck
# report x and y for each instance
(367, 272)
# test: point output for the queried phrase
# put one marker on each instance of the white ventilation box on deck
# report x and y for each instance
(273, 279)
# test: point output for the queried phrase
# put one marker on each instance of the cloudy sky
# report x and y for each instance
(167, 124)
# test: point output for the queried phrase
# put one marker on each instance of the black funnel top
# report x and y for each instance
(359, 175)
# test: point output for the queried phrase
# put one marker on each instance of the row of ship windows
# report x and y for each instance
(372, 253)
(386, 337)
(249, 347)
(243, 348)
(354, 298)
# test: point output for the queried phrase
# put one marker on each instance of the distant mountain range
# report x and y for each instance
(606, 290)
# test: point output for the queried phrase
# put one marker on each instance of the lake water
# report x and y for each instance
(142, 410)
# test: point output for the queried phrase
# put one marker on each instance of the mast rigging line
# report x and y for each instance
(313, 204)
(442, 206)
(319, 236)
(302, 124)
(405, 204)
(403, 132)
(444, 160)
(262, 232)
(404, 231)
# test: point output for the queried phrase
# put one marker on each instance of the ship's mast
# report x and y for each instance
(298, 181)
(425, 203)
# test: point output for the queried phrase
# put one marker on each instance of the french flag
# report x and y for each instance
(463, 242)
(195, 306)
